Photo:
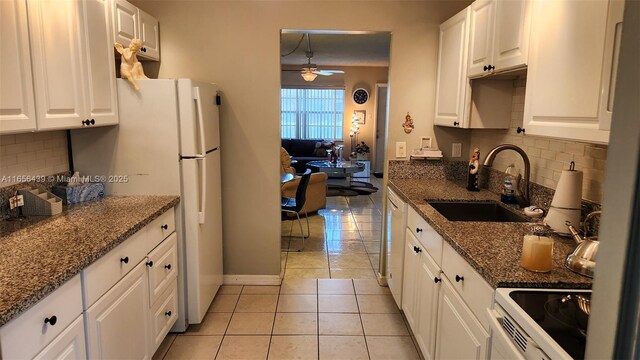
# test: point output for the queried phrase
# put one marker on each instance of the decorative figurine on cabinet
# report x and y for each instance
(474, 163)
(130, 67)
(408, 124)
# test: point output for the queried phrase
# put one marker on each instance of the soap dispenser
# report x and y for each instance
(510, 185)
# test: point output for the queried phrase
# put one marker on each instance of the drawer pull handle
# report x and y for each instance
(124, 260)
(165, 226)
(150, 264)
(418, 230)
(168, 313)
(436, 279)
(459, 278)
(52, 320)
(168, 266)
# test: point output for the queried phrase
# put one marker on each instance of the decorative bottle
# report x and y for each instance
(474, 164)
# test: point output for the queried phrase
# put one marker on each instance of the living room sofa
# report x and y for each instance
(304, 150)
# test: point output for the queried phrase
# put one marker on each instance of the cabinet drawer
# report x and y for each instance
(109, 269)
(26, 335)
(477, 294)
(70, 344)
(164, 315)
(164, 268)
(428, 237)
(161, 227)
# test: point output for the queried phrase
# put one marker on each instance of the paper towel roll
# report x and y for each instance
(556, 219)
(569, 190)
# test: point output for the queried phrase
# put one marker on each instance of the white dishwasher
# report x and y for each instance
(396, 219)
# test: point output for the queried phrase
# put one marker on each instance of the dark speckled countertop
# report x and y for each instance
(37, 255)
(492, 249)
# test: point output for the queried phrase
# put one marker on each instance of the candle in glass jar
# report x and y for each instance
(537, 253)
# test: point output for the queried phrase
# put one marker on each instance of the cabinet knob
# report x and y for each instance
(51, 321)
(150, 263)
(459, 278)
(520, 130)
(418, 230)
(143, 49)
(436, 279)
(168, 266)
(124, 260)
(85, 122)
(93, 121)
(491, 67)
(165, 226)
(417, 249)
(456, 123)
(168, 313)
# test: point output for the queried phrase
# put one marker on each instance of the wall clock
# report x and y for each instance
(360, 96)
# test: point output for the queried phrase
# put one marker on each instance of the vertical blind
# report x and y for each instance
(312, 113)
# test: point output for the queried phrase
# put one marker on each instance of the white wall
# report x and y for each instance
(236, 45)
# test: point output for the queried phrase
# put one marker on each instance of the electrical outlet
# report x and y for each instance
(401, 149)
(16, 201)
(456, 150)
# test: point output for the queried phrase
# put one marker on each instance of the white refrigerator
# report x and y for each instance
(168, 143)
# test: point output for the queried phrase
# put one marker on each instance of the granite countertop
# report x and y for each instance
(39, 255)
(492, 249)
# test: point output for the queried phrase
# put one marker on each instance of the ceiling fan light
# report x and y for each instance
(308, 75)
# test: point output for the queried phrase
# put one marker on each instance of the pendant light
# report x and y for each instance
(308, 75)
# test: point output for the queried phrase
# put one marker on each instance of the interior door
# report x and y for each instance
(381, 128)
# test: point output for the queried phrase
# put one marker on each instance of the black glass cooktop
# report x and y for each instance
(563, 315)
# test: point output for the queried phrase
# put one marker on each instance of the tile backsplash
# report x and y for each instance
(30, 154)
(548, 156)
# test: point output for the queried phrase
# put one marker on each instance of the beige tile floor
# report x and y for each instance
(329, 305)
(302, 319)
(344, 241)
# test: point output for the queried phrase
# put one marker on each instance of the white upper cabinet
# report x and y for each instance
(499, 36)
(453, 88)
(150, 36)
(99, 59)
(572, 67)
(129, 23)
(69, 73)
(17, 107)
(56, 46)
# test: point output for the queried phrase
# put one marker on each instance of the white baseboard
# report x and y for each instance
(252, 280)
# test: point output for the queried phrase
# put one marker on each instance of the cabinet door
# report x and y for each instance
(17, 107)
(611, 56)
(564, 81)
(511, 34)
(150, 36)
(410, 278)
(69, 345)
(481, 37)
(459, 335)
(396, 227)
(57, 50)
(453, 88)
(99, 60)
(428, 290)
(125, 22)
(118, 322)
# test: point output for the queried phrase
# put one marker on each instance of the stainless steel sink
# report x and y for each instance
(487, 211)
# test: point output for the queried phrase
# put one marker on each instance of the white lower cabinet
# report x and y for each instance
(118, 321)
(459, 335)
(69, 345)
(447, 319)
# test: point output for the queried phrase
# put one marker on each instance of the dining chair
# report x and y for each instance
(295, 205)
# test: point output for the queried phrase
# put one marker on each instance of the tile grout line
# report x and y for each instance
(364, 335)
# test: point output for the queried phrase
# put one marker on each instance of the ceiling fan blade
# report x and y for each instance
(328, 72)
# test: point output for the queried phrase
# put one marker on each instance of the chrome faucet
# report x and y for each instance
(523, 201)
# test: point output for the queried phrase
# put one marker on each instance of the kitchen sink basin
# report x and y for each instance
(488, 211)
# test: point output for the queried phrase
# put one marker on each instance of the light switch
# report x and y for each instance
(401, 149)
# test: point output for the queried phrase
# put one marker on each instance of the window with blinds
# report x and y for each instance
(312, 113)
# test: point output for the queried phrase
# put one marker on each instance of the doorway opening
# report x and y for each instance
(333, 107)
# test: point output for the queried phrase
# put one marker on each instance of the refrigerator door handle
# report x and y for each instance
(196, 97)
(203, 190)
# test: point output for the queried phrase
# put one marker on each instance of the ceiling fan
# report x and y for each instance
(310, 71)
